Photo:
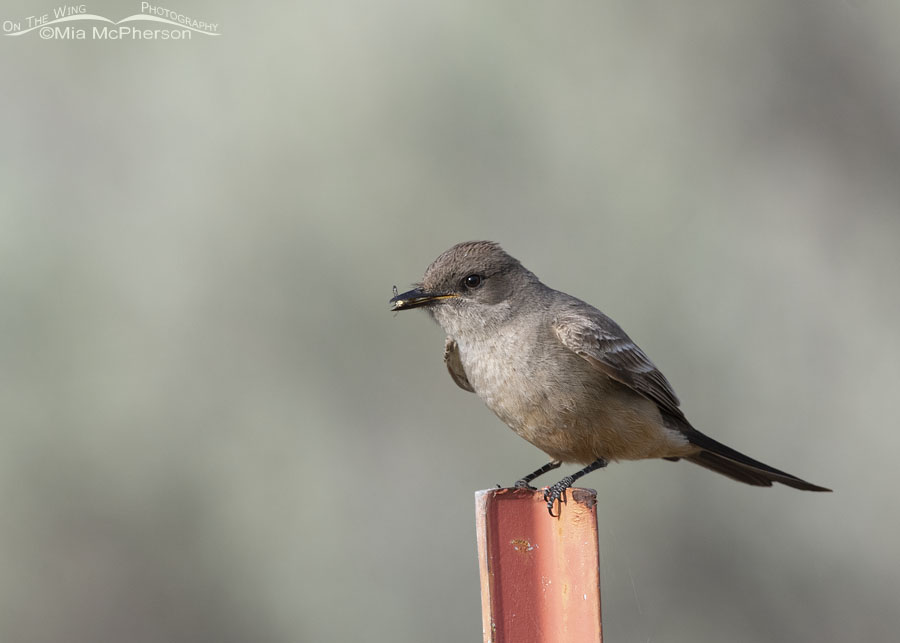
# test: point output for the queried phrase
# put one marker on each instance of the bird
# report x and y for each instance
(561, 374)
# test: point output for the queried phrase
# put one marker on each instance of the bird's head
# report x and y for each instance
(472, 284)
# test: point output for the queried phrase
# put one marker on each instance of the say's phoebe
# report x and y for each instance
(560, 373)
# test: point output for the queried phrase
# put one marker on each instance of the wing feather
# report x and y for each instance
(598, 339)
(454, 365)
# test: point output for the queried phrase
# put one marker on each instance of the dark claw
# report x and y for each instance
(523, 484)
(551, 495)
(557, 492)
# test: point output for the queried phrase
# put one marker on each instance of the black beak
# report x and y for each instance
(415, 298)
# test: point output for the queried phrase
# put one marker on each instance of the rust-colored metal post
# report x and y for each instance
(540, 576)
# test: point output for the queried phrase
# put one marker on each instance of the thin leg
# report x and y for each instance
(558, 491)
(550, 466)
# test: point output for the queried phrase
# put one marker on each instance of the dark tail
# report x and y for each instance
(725, 460)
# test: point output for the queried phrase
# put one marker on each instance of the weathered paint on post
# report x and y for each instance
(540, 576)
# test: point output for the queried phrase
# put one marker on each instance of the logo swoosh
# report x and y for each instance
(139, 17)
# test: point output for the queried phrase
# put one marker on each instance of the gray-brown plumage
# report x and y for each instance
(560, 373)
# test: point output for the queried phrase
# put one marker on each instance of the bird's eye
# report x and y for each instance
(472, 281)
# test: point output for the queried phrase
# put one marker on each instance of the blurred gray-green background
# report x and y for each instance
(211, 427)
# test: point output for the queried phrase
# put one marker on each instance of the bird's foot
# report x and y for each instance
(557, 492)
(523, 484)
